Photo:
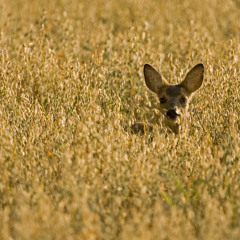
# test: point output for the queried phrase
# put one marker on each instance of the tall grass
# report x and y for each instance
(71, 85)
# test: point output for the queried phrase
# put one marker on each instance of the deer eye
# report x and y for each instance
(183, 100)
(163, 100)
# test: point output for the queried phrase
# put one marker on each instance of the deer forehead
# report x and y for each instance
(173, 91)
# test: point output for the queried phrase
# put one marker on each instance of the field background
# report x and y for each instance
(71, 85)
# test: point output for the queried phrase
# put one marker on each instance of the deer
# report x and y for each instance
(174, 98)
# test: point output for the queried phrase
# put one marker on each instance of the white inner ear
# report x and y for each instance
(153, 79)
(194, 78)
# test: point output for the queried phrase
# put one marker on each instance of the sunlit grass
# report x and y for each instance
(71, 86)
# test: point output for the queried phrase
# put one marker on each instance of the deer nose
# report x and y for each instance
(171, 113)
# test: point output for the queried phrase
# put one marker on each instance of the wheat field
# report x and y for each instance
(71, 86)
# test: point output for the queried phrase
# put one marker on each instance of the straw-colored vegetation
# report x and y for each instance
(71, 85)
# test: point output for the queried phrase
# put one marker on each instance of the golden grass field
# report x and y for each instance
(72, 85)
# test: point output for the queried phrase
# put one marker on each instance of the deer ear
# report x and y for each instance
(153, 79)
(194, 78)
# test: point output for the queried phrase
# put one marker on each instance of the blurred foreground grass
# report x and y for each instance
(72, 81)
